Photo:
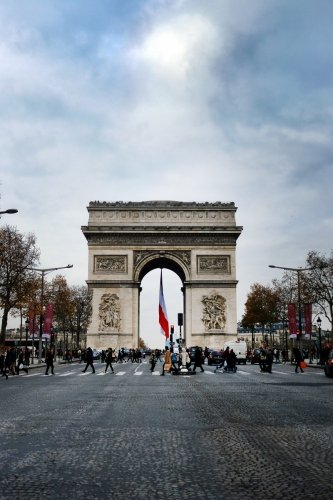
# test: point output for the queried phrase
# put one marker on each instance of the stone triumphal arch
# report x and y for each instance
(197, 241)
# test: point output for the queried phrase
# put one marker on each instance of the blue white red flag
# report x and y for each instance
(162, 312)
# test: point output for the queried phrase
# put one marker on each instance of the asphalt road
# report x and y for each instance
(134, 434)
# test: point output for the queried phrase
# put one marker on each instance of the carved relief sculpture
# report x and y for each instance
(111, 263)
(109, 312)
(214, 312)
(216, 264)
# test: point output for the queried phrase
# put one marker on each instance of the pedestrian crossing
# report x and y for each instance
(139, 371)
(100, 373)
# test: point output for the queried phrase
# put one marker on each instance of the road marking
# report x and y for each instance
(120, 373)
(67, 373)
(155, 373)
(138, 373)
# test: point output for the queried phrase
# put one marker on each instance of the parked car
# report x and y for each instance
(192, 354)
(255, 356)
(328, 368)
(215, 357)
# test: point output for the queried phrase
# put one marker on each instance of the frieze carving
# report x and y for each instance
(213, 312)
(174, 217)
(190, 240)
(111, 263)
(109, 312)
(213, 264)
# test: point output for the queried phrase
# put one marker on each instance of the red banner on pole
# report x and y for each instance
(308, 318)
(48, 319)
(292, 323)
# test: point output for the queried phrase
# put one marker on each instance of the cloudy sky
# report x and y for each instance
(189, 100)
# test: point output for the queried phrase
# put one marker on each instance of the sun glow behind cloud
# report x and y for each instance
(172, 49)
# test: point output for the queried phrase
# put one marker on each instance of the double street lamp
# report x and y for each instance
(9, 211)
(297, 270)
(41, 318)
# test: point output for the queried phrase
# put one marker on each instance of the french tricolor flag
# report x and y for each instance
(162, 313)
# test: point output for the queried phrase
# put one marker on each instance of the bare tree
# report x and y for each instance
(320, 284)
(18, 253)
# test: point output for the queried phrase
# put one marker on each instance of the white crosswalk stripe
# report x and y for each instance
(66, 374)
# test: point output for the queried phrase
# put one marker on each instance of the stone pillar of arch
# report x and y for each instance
(197, 241)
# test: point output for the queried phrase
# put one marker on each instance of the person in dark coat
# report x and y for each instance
(298, 358)
(21, 363)
(108, 359)
(231, 361)
(90, 360)
(49, 361)
(3, 368)
(198, 359)
(10, 361)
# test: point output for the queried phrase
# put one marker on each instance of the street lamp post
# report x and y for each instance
(297, 270)
(27, 323)
(319, 337)
(41, 318)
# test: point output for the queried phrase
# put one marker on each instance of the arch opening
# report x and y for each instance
(161, 263)
(149, 328)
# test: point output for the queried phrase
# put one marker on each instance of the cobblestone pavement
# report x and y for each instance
(248, 435)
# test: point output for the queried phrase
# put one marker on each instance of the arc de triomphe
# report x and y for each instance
(197, 241)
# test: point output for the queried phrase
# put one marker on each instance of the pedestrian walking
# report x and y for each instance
(298, 359)
(198, 359)
(89, 360)
(108, 360)
(167, 361)
(49, 356)
(27, 357)
(20, 365)
(231, 361)
(3, 367)
(10, 361)
(188, 360)
(152, 361)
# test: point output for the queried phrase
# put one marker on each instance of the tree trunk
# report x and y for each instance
(4, 326)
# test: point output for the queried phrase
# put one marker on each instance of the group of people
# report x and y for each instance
(173, 363)
(12, 361)
(228, 361)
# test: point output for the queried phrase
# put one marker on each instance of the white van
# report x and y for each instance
(240, 349)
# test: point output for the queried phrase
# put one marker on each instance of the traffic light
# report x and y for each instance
(172, 329)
